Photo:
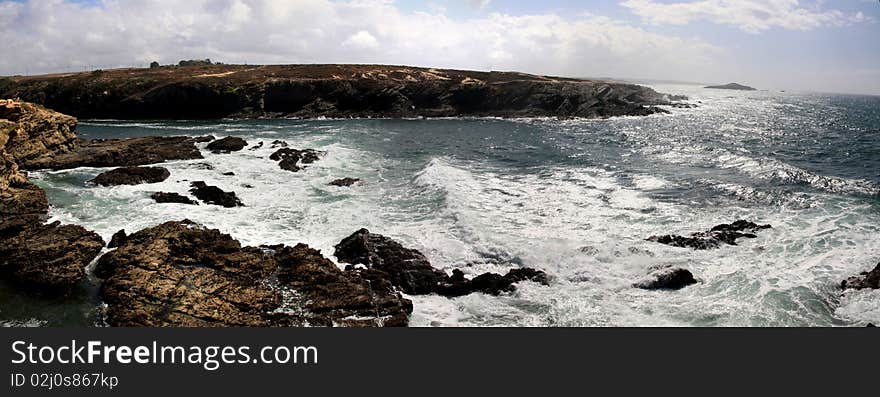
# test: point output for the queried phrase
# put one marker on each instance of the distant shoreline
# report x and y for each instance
(333, 91)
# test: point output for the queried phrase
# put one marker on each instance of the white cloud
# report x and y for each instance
(752, 16)
(56, 35)
(480, 3)
(362, 40)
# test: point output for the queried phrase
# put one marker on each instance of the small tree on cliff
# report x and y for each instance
(154, 65)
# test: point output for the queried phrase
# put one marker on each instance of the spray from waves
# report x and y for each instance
(769, 170)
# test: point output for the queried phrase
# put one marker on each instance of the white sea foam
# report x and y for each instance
(584, 225)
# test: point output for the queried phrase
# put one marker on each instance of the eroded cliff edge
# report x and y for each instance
(338, 91)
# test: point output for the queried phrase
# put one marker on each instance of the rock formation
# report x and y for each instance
(183, 274)
(293, 159)
(117, 153)
(51, 257)
(869, 280)
(667, 277)
(164, 197)
(344, 182)
(721, 234)
(214, 195)
(410, 271)
(227, 145)
(339, 91)
(131, 176)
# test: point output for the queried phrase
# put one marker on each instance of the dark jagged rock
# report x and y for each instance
(339, 91)
(227, 145)
(411, 272)
(118, 153)
(203, 139)
(277, 143)
(667, 277)
(490, 283)
(214, 195)
(49, 256)
(345, 182)
(724, 233)
(164, 197)
(291, 159)
(257, 146)
(229, 173)
(870, 280)
(406, 268)
(183, 274)
(117, 239)
(731, 86)
(131, 176)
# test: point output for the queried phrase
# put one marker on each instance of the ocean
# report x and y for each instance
(575, 198)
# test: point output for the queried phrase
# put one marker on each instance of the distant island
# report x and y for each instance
(731, 86)
(202, 89)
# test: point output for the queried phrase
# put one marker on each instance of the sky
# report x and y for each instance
(809, 45)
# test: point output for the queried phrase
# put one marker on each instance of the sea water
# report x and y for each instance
(575, 198)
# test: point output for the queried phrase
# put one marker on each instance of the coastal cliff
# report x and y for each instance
(339, 91)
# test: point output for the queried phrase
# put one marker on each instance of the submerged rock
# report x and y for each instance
(411, 272)
(48, 256)
(345, 182)
(292, 159)
(227, 145)
(667, 277)
(183, 274)
(724, 233)
(131, 176)
(164, 197)
(214, 195)
(869, 280)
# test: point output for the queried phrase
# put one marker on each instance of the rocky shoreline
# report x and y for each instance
(335, 91)
(180, 273)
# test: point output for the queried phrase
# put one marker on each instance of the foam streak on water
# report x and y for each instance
(575, 198)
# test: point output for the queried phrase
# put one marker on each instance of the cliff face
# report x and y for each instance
(219, 91)
(28, 131)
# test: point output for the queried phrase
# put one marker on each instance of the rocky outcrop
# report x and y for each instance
(214, 195)
(118, 153)
(48, 256)
(713, 238)
(869, 280)
(667, 277)
(117, 239)
(28, 131)
(131, 176)
(411, 272)
(165, 197)
(293, 159)
(339, 91)
(731, 86)
(227, 145)
(344, 182)
(183, 274)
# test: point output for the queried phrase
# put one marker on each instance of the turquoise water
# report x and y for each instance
(575, 198)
